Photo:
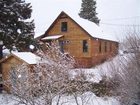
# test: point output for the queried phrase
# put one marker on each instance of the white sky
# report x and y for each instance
(109, 11)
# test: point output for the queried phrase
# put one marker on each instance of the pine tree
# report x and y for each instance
(88, 11)
(16, 28)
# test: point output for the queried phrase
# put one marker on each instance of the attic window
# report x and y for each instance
(64, 27)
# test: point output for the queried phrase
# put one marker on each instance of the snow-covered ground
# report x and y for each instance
(86, 99)
(89, 99)
(95, 74)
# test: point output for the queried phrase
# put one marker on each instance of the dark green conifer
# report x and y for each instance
(88, 11)
(16, 28)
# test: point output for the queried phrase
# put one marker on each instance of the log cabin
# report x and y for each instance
(82, 39)
(13, 60)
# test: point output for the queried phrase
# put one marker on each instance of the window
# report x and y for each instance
(61, 44)
(100, 47)
(49, 42)
(85, 46)
(105, 46)
(64, 26)
(0, 79)
(110, 47)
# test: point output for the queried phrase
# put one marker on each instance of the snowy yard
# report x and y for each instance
(86, 99)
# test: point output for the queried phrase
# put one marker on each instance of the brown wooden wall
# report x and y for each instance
(6, 67)
(75, 35)
(99, 56)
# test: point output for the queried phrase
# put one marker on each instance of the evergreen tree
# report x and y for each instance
(16, 28)
(88, 11)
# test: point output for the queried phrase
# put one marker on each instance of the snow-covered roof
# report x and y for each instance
(28, 57)
(52, 37)
(93, 29)
(38, 35)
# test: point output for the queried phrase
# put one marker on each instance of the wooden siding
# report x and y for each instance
(75, 36)
(6, 67)
(99, 57)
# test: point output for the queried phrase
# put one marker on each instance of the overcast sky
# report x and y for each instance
(114, 14)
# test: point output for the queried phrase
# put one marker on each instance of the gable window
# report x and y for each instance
(85, 46)
(64, 27)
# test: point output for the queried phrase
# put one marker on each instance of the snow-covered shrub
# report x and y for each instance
(125, 70)
(50, 78)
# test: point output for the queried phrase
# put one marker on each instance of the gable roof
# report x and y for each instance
(27, 57)
(89, 27)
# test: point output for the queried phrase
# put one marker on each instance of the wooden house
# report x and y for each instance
(15, 59)
(82, 39)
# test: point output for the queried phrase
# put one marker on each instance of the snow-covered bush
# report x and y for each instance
(125, 70)
(39, 84)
